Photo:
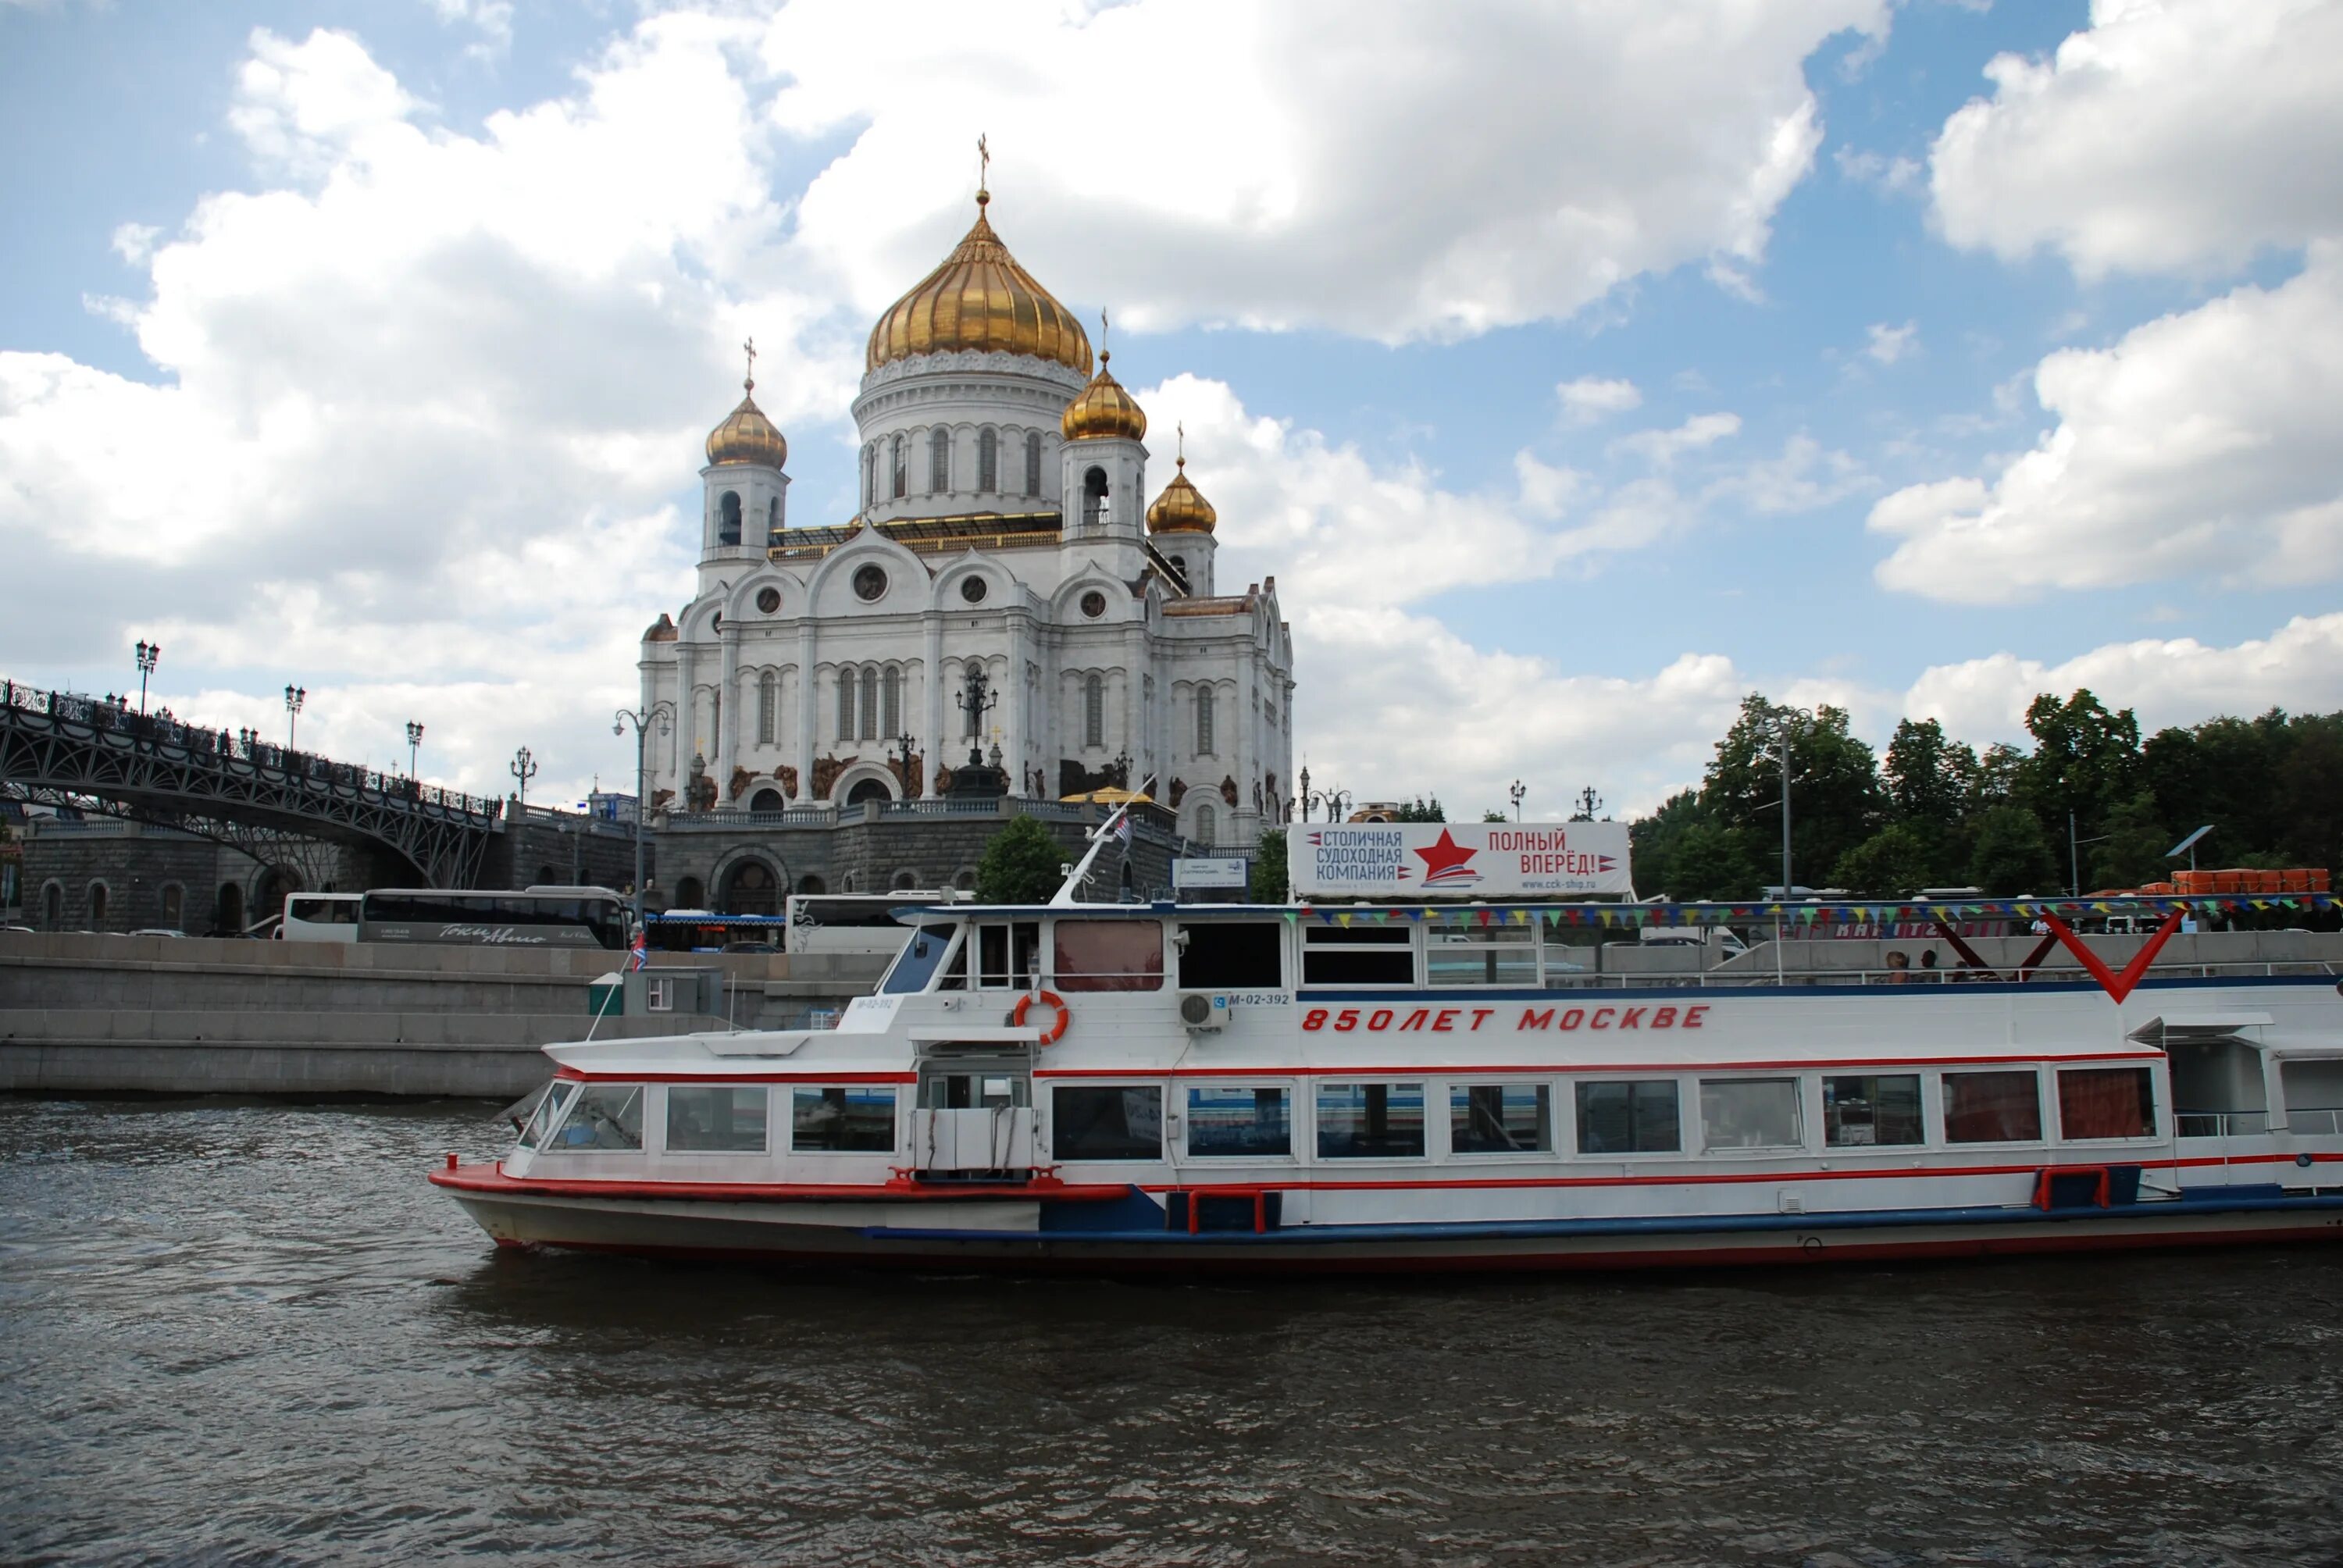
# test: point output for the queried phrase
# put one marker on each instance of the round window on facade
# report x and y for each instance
(972, 590)
(1095, 604)
(870, 583)
(768, 601)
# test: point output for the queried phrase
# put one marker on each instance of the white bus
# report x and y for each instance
(319, 918)
(557, 917)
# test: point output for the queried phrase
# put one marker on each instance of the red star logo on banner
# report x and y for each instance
(1445, 858)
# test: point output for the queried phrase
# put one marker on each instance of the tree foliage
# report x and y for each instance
(1933, 812)
(1020, 865)
(1270, 877)
(1421, 810)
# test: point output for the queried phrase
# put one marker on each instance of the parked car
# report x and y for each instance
(156, 931)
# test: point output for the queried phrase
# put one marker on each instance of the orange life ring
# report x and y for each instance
(1056, 1032)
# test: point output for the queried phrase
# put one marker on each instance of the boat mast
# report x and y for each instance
(1064, 897)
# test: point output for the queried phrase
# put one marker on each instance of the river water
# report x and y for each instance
(250, 1333)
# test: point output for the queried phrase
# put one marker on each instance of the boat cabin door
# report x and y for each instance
(974, 1121)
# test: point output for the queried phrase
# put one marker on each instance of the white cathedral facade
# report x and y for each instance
(1004, 529)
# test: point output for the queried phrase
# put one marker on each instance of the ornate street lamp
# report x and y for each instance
(640, 718)
(150, 654)
(974, 702)
(1303, 799)
(1517, 792)
(294, 696)
(903, 744)
(414, 744)
(524, 768)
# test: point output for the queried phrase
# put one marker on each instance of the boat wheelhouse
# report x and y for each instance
(1193, 1088)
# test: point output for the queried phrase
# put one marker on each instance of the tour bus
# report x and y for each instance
(533, 918)
(319, 918)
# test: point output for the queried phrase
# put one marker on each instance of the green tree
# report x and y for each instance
(1494, 816)
(1894, 862)
(1652, 840)
(1928, 778)
(2133, 850)
(1269, 880)
(1835, 798)
(2013, 854)
(1421, 810)
(2085, 762)
(1020, 865)
(2310, 790)
(1709, 861)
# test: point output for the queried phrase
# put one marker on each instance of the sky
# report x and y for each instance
(1574, 369)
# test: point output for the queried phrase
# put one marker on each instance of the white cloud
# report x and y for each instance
(1661, 447)
(2182, 681)
(1888, 343)
(2170, 135)
(1893, 175)
(135, 242)
(2202, 444)
(1805, 476)
(1590, 397)
(1376, 168)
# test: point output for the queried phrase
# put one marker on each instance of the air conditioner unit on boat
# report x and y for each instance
(1203, 1009)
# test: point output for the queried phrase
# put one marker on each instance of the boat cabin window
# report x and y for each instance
(1108, 955)
(549, 1107)
(603, 1116)
(2107, 1102)
(1991, 1107)
(1482, 955)
(2314, 1094)
(1370, 1120)
(955, 975)
(1861, 1111)
(973, 1089)
(918, 960)
(1358, 955)
(1239, 1121)
(1231, 955)
(849, 1121)
(727, 1118)
(1629, 1118)
(1119, 1123)
(1500, 1119)
(1008, 954)
(1750, 1114)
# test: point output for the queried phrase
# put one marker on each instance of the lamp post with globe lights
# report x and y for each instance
(149, 654)
(295, 696)
(414, 745)
(664, 712)
(1516, 792)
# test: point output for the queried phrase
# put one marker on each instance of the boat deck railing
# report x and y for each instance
(1746, 980)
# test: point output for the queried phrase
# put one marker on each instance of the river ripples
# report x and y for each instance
(245, 1333)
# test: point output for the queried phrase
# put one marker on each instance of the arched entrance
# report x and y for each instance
(750, 888)
(97, 892)
(227, 917)
(687, 894)
(868, 790)
(53, 907)
(810, 885)
(767, 800)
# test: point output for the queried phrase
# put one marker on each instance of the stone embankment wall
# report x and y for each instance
(105, 1014)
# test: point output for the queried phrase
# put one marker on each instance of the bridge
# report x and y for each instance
(161, 769)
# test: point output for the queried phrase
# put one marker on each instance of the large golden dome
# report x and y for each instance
(1103, 409)
(981, 299)
(747, 435)
(1182, 508)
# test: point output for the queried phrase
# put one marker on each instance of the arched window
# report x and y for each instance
(767, 800)
(870, 702)
(1095, 711)
(772, 516)
(812, 885)
(870, 475)
(900, 468)
(727, 518)
(174, 903)
(1033, 462)
(688, 894)
(868, 789)
(1208, 826)
(939, 461)
(890, 690)
(53, 907)
(97, 906)
(769, 701)
(1094, 500)
(988, 459)
(1203, 721)
(846, 702)
(905, 879)
(228, 909)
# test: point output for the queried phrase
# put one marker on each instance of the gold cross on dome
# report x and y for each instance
(983, 164)
(1105, 332)
(1182, 428)
(749, 382)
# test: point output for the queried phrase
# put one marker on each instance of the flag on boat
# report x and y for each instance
(639, 955)
(1122, 829)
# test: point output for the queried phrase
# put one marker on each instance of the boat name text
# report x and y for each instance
(1453, 1020)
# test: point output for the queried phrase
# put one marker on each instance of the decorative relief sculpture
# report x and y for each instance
(740, 785)
(1229, 789)
(1178, 789)
(826, 770)
(788, 778)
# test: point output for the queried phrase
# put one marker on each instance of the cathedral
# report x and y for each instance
(1007, 611)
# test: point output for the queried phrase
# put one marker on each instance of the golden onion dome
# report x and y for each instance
(1182, 508)
(1103, 409)
(747, 435)
(979, 299)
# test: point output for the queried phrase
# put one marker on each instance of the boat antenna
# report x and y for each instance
(1064, 897)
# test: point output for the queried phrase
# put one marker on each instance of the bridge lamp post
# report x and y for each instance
(524, 768)
(150, 654)
(414, 745)
(294, 696)
(664, 712)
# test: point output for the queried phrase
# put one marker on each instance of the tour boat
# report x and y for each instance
(1216, 1088)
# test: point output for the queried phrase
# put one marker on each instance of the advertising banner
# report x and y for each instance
(1217, 871)
(1460, 859)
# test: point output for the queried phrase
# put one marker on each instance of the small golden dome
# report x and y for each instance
(747, 435)
(1182, 508)
(979, 299)
(1103, 409)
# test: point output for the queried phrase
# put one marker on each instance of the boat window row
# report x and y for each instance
(1130, 955)
(1402, 1119)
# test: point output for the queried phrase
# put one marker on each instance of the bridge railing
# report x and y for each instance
(203, 743)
